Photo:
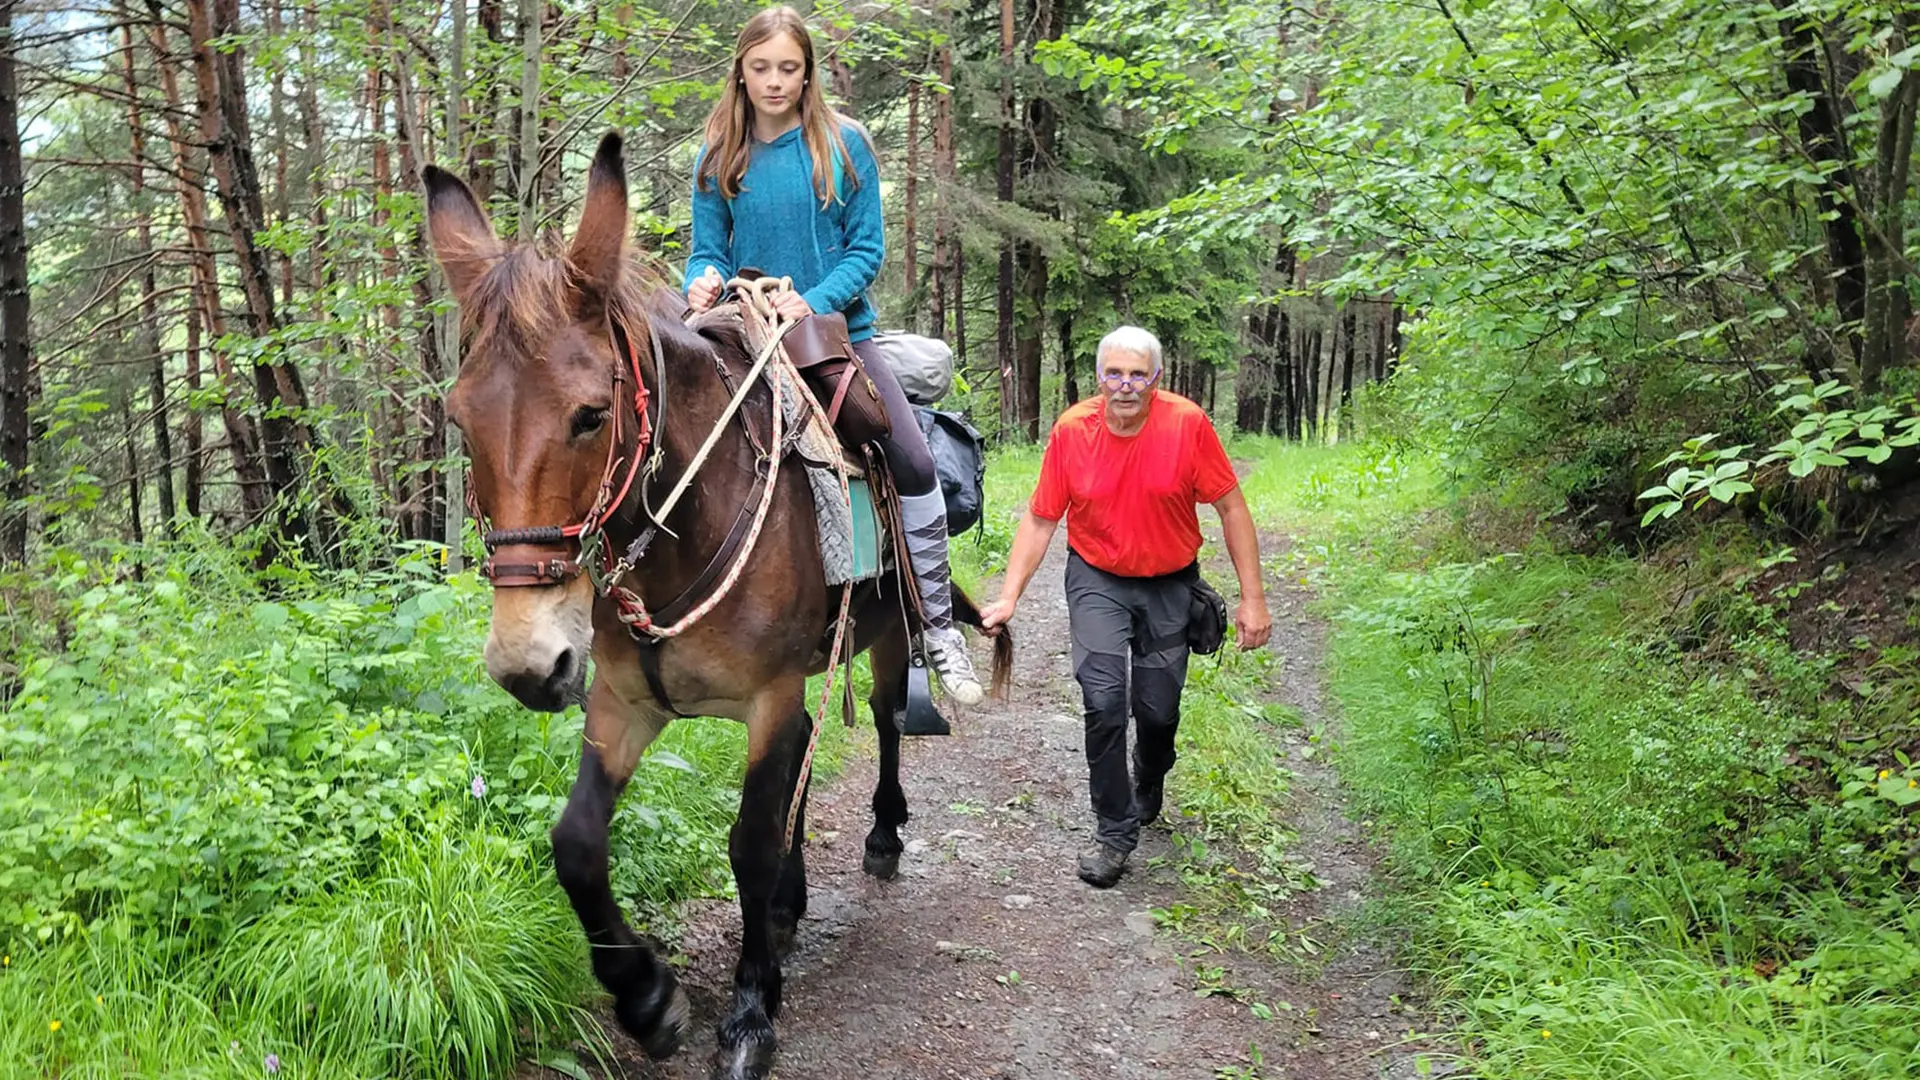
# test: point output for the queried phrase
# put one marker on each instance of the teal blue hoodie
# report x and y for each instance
(778, 226)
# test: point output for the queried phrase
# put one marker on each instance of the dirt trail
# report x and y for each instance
(916, 978)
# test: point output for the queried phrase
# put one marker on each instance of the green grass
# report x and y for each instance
(247, 826)
(454, 958)
(1631, 834)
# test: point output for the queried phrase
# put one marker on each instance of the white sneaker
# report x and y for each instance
(948, 652)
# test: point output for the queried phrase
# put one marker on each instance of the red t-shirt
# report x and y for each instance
(1129, 502)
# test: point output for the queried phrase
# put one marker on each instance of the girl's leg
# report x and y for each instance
(923, 511)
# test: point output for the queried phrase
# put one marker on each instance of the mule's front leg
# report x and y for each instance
(889, 661)
(776, 742)
(646, 997)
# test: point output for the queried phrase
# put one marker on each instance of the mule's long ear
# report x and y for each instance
(599, 249)
(463, 237)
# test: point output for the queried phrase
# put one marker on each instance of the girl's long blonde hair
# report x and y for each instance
(730, 124)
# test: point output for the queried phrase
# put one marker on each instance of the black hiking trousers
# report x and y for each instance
(1130, 658)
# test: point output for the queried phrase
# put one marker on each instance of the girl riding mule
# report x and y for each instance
(579, 389)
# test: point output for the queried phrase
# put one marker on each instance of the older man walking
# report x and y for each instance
(1126, 469)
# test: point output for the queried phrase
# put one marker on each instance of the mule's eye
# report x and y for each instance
(588, 419)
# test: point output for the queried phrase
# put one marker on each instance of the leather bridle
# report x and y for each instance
(556, 554)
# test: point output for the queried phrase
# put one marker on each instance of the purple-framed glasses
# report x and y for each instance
(1128, 383)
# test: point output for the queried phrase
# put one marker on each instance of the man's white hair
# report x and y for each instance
(1129, 339)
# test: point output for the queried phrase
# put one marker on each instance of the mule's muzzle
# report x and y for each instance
(564, 685)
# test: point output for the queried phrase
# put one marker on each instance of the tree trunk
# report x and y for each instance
(14, 336)
(1393, 336)
(1825, 145)
(910, 251)
(944, 270)
(243, 440)
(1028, 348)
(483, 155)
(136, 527)
(224, 131)
(430, 520)
(1003, 308)
(446, 323)
(147, 333)
(1887, 298)
(622, 19)
(391, 405)
(196, 460)
(1310, 358)
(1069, 384)
(282, 197)
(549, 143)
(1380, 346)
(531, 14)
(1349, 329)
(960, 302)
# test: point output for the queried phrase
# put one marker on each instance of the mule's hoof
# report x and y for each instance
(751, 1060)
(659, 1028)
(884, 867)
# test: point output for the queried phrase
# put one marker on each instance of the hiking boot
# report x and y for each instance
(947, 651)
(1102, 866)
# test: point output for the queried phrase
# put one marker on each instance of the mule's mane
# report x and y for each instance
(528, 296)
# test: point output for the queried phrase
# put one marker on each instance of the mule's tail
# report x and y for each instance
(965, 612)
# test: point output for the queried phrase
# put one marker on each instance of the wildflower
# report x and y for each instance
(1545, 1034)
(99, 1000)
(479, 787)
(53, 1025)
(1486, 884)
(273, 1064)
(6, 961)
(233, 1047)
(1884, 773)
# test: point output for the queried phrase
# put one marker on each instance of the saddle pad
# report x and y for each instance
(850, 537)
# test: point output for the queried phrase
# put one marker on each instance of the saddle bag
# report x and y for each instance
(818, 345)
(960, 461)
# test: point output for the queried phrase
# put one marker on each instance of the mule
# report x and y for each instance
(559, 407)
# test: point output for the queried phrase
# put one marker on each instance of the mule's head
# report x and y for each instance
(535, 400)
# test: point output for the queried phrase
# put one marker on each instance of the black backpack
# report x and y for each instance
(960, 461)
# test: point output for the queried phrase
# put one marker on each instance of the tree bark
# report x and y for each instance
(14, 308)
(147, 334)
(1887, 302)
(1349, 327)
(282, 145)
(531, 14)
(243, 440)
(136, 527)
(1311, 359)
(446, 323)
(910, 250)
(483, 155)
(1069, 382)
(196, 470)
(1003, 353)
(944, 269)
(959, 302)
(224, 130)
(430, 520)
(1825, 145)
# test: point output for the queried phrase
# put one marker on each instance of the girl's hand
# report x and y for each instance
(705, 290)
(791, 305)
